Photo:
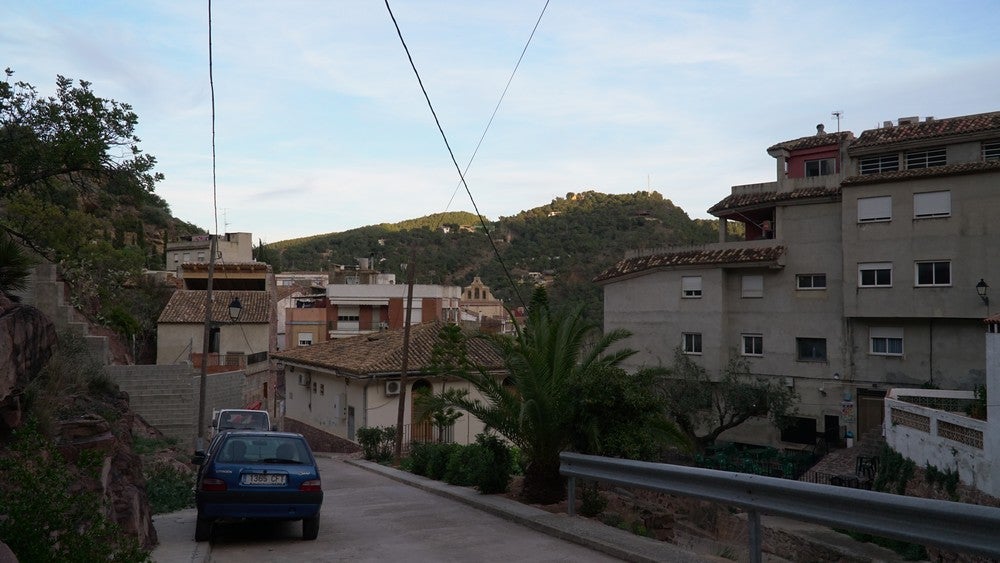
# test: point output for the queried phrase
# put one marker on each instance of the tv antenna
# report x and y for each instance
(837, 115)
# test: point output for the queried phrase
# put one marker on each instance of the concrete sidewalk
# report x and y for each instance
(175, 531)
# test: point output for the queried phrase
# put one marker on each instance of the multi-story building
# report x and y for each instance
(230, 248)
(856, 270)
(361, 301)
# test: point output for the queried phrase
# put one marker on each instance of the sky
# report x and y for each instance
(321, 125)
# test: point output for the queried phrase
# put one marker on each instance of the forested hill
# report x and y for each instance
(570, 241)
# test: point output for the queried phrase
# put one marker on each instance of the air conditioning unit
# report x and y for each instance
(392, 387)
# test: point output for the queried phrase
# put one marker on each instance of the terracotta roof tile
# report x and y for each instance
(813, 141)
(946, 170)
(382, 352)
(736, 201)
(188, 306)
(929, 130)
(691, 258)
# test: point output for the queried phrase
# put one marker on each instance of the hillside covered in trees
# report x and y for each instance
(569, 241)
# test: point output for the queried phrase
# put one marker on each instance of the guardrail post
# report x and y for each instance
(753, 521)
(571, 496)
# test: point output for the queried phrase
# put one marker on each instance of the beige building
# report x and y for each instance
(340, 385)
(857, 270)
(231, 248)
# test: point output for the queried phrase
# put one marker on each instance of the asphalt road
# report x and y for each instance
(368, 517)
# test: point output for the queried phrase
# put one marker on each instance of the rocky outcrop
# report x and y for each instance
(120, 482)
(27, 338)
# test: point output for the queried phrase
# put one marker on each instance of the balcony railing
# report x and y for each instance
(218, 363)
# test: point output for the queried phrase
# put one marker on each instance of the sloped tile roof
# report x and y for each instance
(813, 141)
(691, 258)
(188, 306)
(382, 352)
(929, 130)
(946, 170)
(736, 201)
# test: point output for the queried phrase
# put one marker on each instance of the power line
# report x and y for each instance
(451, 153)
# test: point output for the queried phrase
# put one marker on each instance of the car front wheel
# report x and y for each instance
(203, 529)
(310, 528)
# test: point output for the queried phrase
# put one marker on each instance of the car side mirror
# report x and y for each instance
(198, 458)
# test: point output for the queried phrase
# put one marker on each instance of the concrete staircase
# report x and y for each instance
(48, 293)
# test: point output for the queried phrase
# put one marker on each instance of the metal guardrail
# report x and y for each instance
(951, 525)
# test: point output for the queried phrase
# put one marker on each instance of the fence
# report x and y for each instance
(949, 525)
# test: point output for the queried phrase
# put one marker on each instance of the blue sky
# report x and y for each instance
(321, 125)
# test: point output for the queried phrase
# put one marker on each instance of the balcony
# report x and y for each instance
(220, 363)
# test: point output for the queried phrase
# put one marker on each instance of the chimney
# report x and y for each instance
(909, 120)
(887, 124)
(819, 130)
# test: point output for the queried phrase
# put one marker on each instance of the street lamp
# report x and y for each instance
(235, 308)
(981, 288)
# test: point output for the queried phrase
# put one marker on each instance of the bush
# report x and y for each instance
(494, 475)
(420, 456)
(437, 465)
(594, 502)
(377, 442)
(466, 464)
(169, 489)
(41, 520)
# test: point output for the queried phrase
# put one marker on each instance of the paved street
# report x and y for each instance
(368, 517)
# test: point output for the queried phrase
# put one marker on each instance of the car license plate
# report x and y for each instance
(263, 479)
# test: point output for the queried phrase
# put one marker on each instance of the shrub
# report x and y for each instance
(377, 442)
(465, 465)
(41, 520)
(437, 465)
(494, 475)
(420, 456)
(169, 489)
(594, 502)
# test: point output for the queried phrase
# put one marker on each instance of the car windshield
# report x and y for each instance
(263, 449)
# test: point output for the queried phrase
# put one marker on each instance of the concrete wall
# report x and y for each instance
(167, 396)
(176, 341)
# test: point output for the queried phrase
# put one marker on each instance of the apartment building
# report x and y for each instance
(856, 270)
(195, 249)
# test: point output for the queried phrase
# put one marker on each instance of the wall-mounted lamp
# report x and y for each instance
(836, 376)
(822, 391)
(982, 288)
(235, 308)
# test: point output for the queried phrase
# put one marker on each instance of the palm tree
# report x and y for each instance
(537, 407)
(15, 266)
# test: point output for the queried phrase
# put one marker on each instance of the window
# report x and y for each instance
(880, 163)
(991, 150)
(875, 274)
(874, 209)
(821, 167)
(691, 287)
(932, 204)
(886, 341)
(322, 389)
(753, 286)
(201, 256)
(926, 158)
(933, 273)
(810, 281)
(305, 339)
(810, 349)
(753, 345)
(692, 343)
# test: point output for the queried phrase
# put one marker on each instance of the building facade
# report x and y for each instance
(854, 271)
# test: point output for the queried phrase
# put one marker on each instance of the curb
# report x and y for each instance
(594, 535)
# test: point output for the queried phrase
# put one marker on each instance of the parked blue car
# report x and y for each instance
(257, 475)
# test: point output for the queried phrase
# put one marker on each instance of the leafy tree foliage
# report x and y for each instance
(703, 409)
(76, 188)
(539, 408)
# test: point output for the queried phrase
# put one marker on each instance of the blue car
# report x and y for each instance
(257, 475)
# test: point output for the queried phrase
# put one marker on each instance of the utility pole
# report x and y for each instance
(398, 454)
(205, 346)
